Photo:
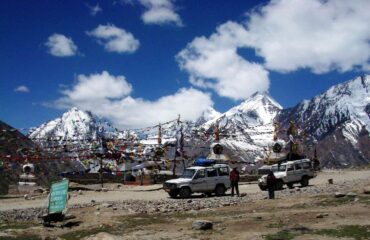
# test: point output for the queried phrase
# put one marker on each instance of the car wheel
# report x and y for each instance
(185, 192)
(220, 190)
(290, 185)
(173, 193)
(279, 185)
(305, 181)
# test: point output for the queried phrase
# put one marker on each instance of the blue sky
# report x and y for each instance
(152, 59)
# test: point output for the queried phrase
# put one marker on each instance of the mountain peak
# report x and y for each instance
(256, 100)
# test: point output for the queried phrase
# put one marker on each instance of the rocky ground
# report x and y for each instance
(320, 211)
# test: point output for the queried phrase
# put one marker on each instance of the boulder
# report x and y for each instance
(202, 225)
(107, 205)
(351, 194)
(339, 194)
(366, 190)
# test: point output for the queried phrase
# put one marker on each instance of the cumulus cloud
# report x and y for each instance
(314, 34)
(160, 12)
(98, 86)
(289, 35)
(214, 63)
(61, 46)
(115, 39)
(109, 96)
(22, 88)
(94, 9)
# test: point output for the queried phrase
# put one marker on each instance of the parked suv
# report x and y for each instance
(289, 173)
(208, 180)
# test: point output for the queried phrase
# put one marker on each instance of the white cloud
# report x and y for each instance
(115, 39)
(160, 12)
(214, 63)
(108, 96)
(61, 46)
(98, 86)
(289, 35)
(22, 88)
(315, 34)
(94, 9)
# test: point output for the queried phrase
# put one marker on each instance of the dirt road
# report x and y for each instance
(154, 192)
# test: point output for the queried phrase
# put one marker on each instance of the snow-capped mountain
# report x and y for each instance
(74, 124)
(208, 115)
(247, 129)
(170, 131)
(338, 121)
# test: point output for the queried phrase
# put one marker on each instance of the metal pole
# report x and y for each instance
(101, 172)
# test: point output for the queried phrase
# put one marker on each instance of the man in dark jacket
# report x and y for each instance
(271, 181)
(234, 179)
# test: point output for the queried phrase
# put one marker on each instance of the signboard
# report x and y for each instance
(58, 196)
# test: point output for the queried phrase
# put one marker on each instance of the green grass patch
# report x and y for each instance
(325, 200)
(353, 231)
(332, 201)
(16, 225)
(281, 235)
(140, 220)
(75, 235)
(364, 199)
(122, 225)
(21, 237)
(275, 225)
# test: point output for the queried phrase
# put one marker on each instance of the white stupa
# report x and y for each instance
(27, 180)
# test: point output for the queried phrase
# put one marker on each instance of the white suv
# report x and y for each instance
(289, 173)
(208, 180)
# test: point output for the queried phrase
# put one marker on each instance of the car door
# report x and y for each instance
(224, 176)
(298, 172)
(199, 181)
(290, 173)
(212, 178)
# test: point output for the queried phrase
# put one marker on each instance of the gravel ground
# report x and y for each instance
(151, 199)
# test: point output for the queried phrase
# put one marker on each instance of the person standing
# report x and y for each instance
(141, 177)
(271, 181)
(234, 179)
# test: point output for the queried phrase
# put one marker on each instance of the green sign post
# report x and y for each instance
(58, 196)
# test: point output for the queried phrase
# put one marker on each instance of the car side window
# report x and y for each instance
(223, 171)
(211, 172)
(306, 165)
(200, 174)
(298, 167)
(290, 168)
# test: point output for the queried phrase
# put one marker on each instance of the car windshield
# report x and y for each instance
(188, 173)
(280, 169)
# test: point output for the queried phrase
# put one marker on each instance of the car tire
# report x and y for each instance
(220, 190)
(305, 181)
(290, 185)
(173, 193)
(279, 185)
(185, 192)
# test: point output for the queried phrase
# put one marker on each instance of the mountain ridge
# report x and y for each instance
(339, 115)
